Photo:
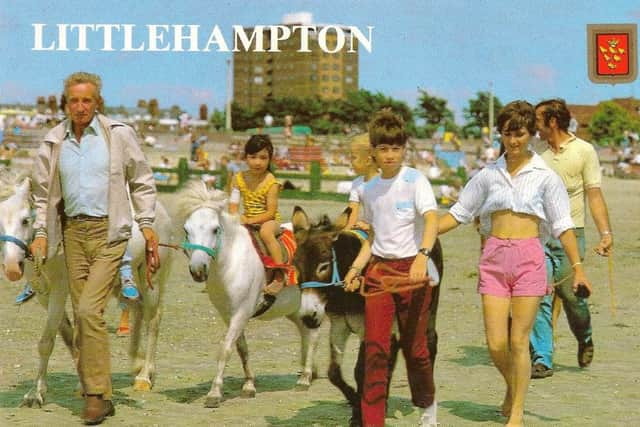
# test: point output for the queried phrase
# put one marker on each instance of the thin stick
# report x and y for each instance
(612, 294)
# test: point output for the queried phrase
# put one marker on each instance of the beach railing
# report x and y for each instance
(312, 181)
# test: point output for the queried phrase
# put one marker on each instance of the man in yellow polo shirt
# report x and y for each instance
(576, 161)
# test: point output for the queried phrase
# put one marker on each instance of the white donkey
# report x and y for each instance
(52, 287)
(221, 251)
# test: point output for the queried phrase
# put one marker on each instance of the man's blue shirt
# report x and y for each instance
(84, 172)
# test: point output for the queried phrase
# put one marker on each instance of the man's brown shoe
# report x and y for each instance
(585, 353)
(539, 370)
(96, 410)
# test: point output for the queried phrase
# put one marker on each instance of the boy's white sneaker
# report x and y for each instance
(429, 418)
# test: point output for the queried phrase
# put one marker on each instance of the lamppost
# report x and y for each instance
(227, 125)
(491, 113)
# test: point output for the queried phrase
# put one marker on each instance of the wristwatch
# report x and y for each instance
(425, 251)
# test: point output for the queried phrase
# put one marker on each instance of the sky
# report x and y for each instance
(451, 48)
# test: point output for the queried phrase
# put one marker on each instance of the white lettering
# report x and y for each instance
(128, 39)
(62, 37)
(185, 37)
(304, 36)
(365, 42)
(82, 35)
(156, 34)
(322, 39)
(37, 38)
(257, 34)
(192, 37)
(217, 39)
(107, 40)
(275, 38)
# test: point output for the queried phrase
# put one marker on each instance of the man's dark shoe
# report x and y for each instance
(538, 370)
(96, 410)
(585, 353)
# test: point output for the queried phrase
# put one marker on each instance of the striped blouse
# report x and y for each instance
(255, 202)
(534, 190)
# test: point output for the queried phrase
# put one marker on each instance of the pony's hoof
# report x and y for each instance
(142, 384)
(248, 394)
(302, 387)
(212, 401)
(32, 400)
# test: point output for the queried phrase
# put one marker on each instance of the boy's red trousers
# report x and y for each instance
(411, 309)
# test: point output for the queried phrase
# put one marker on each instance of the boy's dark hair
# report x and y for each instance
(555, 108)
(386, 127)
(516, 115)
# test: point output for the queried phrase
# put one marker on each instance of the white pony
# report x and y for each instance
(221, 252)
(52, 288)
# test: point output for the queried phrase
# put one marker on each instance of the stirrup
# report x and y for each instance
(265, 304)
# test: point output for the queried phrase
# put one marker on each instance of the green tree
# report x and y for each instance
(175, 111)
(153, 108)
(323, 116)
(358, 107)
(435, 113)
(217, 119)
(477, 114)
(242, 118)
(609, 122)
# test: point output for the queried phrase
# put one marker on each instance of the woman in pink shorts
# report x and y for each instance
(519, 201)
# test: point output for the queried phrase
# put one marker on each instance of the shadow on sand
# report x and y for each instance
(336, 413)
(232, 387)
(479, 412)
(473, 355)
(62, 391)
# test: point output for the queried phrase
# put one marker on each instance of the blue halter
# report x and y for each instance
(335, 276)
(21, 244)
(212, 252)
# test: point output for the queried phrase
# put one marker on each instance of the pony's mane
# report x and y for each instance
(8, 180)
(197, 196)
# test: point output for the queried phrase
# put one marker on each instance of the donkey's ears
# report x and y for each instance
(343, 218)
(300, 220)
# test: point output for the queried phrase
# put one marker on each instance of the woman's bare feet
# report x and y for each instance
(506, 404)
(514, 424)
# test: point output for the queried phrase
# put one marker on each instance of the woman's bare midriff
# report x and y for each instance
(512, 225)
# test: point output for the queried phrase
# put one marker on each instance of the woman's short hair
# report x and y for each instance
(516, 115)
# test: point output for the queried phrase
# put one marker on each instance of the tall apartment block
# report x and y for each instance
(289, 73)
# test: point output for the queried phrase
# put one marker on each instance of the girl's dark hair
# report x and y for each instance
(516, 115)
(258, 143)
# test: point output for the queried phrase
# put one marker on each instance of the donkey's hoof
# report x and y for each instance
(142, 384)
(248, 394)
(302, 387)
(212, 401)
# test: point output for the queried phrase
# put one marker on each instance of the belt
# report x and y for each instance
(83, 217)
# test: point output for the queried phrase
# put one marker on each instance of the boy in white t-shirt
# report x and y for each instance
(401, 208)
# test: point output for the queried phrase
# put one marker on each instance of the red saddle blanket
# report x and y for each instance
(288, 247)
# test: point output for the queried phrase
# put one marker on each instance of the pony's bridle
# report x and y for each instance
(188, 246)
(20, 243)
